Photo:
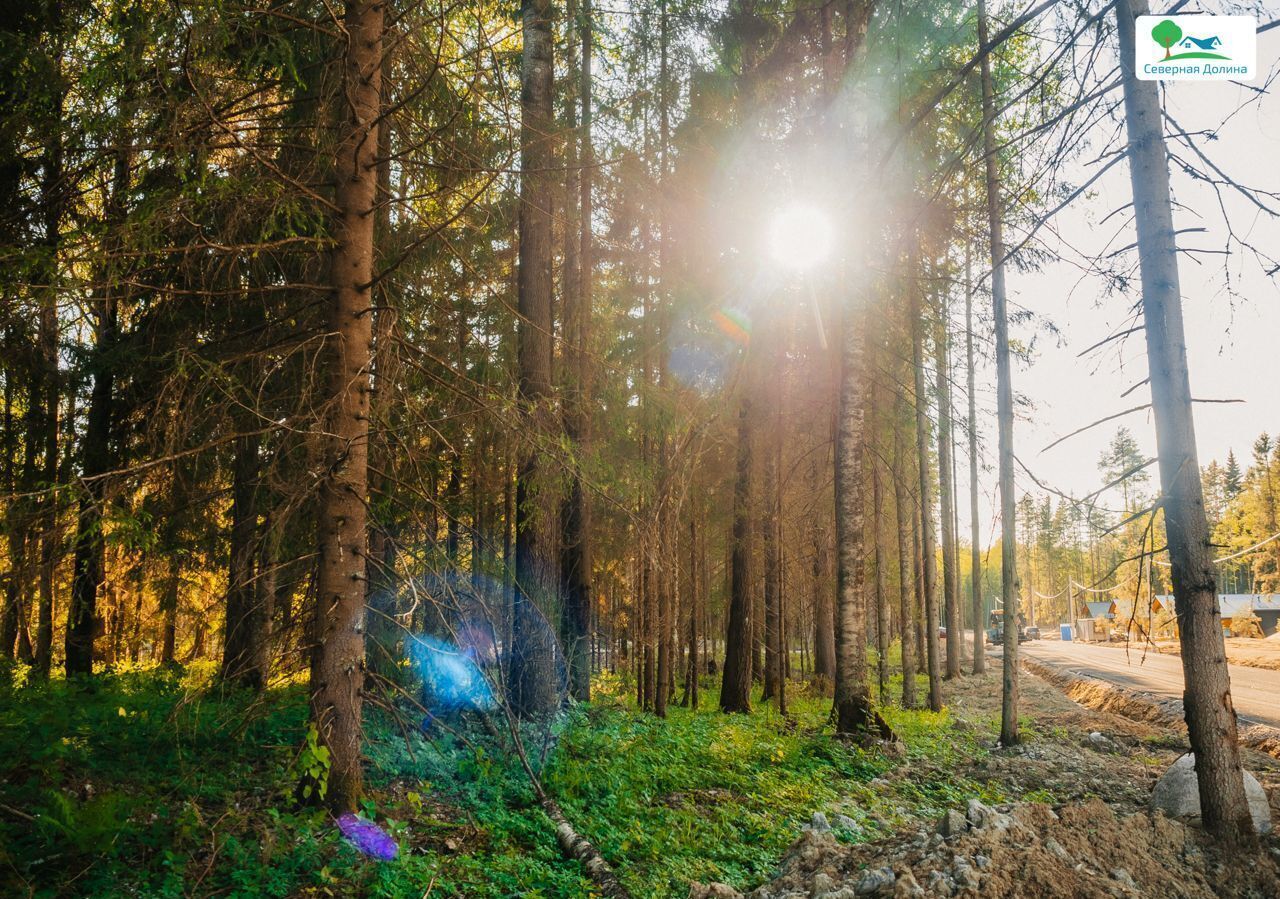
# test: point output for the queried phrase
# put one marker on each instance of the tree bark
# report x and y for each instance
(906, 567)
(853, 712)
(735, 688)
(338, 660)
(1004, 404)
(244, 645)
(946, 491)
(927, 549)
(979, 643)
(1211, 720)
(531, 673)
(575, 560)
(88, 572)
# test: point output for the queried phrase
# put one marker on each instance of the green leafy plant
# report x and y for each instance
(312, 767)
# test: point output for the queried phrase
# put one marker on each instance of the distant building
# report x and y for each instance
(1239, 608)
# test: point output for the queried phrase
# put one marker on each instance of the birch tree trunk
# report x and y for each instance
(1211, 720)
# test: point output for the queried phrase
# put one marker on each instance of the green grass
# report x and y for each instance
(152, 784)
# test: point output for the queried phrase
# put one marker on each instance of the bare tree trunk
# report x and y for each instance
(735, 688)
(244, 644)
(338, 659)
(88, 574)
(531, 677)
(1211, 720)
(946, 490)
(853, 712)
(824, 637)
(1004, 403)
(906, 568)
(54, 201)
(882, 590)
(927, 549)
(169, 609)
(979, 644)
(575, 556)
(770, 527)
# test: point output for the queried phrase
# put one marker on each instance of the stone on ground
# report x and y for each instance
(1177, 794)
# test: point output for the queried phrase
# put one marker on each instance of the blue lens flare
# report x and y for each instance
(452, 681)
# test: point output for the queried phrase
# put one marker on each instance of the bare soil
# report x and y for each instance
(1254, 652)
(1092, 837)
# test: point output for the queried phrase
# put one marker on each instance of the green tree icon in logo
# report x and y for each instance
(1166, 34)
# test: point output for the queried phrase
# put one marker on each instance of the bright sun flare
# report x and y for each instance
(800, 236)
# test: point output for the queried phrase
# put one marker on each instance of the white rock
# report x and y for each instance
(818, 824)
(1177, 794)
(873, 880)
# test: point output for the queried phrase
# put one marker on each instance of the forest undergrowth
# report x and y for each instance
(157, 783)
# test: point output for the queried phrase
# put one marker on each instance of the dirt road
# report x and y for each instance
(1255, 691)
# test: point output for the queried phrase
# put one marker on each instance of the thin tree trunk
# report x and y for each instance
(243, 646)
(1004, 404)
(338, 659)
(927, 549)
(1211, 720)
(906, 569)
(979, 643)
(735, 688)
(82, 614)
(882, 590)
(946, 491)
(169, 609)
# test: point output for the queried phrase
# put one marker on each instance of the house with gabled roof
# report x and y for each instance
(1238, 609)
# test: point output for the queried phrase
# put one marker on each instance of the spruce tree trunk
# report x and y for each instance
(979, 643)
(338, 659)
(88, 572)
(929, 563)
(1010, 586)
(244, 645)
(575, 553)
(1211, 720)
(906, 568)
(169, 609)
(881, 588)
(946, 490)
(735, 688)
(824, 637)
(54, 200)
(531, 672)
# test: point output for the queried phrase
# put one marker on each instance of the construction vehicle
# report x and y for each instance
(995, 627)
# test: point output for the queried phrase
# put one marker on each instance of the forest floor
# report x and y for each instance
(160, 784)
(1075, 825)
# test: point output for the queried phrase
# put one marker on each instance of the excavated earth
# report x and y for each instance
(1096, 839)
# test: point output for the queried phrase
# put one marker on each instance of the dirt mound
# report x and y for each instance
(1028, 851)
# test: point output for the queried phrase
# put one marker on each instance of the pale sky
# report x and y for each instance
(1233, 343)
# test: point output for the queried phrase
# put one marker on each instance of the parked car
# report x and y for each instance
(942, 632)
(1031, 633)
